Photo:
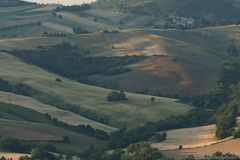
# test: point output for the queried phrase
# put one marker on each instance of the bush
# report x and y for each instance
(116, 96)
(236, 134)
(232, 50)
(58, 80)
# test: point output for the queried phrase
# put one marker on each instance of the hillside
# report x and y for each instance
(12, 3)
(105, 81)
(204, 12)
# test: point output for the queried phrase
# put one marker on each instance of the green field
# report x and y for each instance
(137, 110)
(175, 62)
(43, 132)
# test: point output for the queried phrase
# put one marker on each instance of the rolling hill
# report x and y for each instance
(58, 66)
(203, 11)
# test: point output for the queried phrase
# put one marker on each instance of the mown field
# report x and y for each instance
(198, 53)
(44, 132)
(137, 110)
(189, 138)
(183, 62)
(230, 146)
(187, 62)
(197, 141)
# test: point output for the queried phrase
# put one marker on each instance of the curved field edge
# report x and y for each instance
(189, 138)
(137, 110)
(13, 156)
(46, 132)
(231, 146)
(65, 116)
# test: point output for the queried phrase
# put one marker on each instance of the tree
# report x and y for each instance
(226, 122)
(141, 151)
(60, 16)
(232, 50)
(237, 133)
(116, 96)
(58, 80)
(41, 154)
(153, 99)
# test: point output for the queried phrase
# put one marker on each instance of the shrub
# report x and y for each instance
(58, 80)
(232, 50)
(236, 134)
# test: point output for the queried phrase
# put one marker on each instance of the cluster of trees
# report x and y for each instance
(71, 62)
(80, 30)
(85, 129)
(21, 89)
(226, 121)
(20, 112)
(55, 34)
(26, 90)
(20, 25)
(236, 133)
(14, 145)
(223, 88)
(124, 137)
(137, 151)
(116, 96)
(205, 12)
(59, 16)
(223, 99)
(74, 8)
(43, 152)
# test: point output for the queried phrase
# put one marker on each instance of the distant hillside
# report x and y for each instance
(203, 11)
(6, 3)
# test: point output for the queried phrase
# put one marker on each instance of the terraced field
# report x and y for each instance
(137, 110)
(230, 146)
(43, 132)
(189, 138)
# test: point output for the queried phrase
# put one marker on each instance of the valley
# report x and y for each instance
(59, 65)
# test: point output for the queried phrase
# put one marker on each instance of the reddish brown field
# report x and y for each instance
(159, 73)
(231, 146)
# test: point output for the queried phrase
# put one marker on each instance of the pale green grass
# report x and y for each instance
(137, 110)
(29, 43)
(36, 131)
(85, 22)
(58, 27)
(65, 116)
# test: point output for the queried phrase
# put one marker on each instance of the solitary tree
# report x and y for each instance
(153, 99)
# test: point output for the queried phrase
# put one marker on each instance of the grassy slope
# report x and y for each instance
(199, 53)
(189, 138)
(197, 141)
(204, 48)
(65, 116)
(36, 131)
(230, 146)
(135, 111)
